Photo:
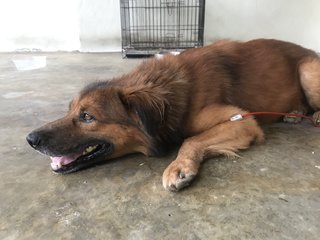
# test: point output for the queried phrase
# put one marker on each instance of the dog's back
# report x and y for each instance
(259, 75)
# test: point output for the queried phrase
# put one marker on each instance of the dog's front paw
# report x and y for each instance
(179, 174)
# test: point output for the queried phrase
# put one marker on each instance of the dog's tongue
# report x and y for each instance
(57, 162)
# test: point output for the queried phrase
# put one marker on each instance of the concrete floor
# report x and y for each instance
(273, 192)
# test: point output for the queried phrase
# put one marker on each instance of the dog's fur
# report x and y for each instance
(187, 99)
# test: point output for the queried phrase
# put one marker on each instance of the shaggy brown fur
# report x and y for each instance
(185, 99)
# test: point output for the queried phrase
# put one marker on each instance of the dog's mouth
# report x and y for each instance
(86, 156)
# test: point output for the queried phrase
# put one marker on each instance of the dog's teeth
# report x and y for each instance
(55, 166)
(89, 149)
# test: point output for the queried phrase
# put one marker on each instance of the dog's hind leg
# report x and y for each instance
(309, 71)
(224, 138)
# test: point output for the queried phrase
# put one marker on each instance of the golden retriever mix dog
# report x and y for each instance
(186, 99)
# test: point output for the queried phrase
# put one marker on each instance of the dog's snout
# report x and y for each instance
(33, 139)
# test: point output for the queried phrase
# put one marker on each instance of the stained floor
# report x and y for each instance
(272, 192)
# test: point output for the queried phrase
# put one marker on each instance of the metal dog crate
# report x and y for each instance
(152, 26)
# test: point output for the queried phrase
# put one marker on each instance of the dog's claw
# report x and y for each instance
(173, 188)
(182, 175)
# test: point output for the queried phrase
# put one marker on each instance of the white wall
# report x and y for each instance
(41, 24)
(100, 25)
(94, 25)
(292, 20)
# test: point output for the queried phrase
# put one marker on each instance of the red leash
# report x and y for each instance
(239, 117)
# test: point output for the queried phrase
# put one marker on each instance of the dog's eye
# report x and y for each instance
(86, 117)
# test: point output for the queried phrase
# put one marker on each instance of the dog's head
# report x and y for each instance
(103, 122)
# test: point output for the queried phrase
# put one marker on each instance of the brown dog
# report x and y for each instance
(186, 99)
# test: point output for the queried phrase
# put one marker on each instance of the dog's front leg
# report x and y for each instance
(225, 138)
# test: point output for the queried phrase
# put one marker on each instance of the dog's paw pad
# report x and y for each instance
(179, 175)
(293, 119)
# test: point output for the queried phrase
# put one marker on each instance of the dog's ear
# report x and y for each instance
(149, 104)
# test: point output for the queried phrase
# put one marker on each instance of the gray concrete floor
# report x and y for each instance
(272, 192)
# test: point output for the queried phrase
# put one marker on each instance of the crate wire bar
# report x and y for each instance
(152, 26)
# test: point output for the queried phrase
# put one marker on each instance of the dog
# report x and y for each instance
(187, 101)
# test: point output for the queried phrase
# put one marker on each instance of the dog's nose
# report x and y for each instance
(33, 139)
